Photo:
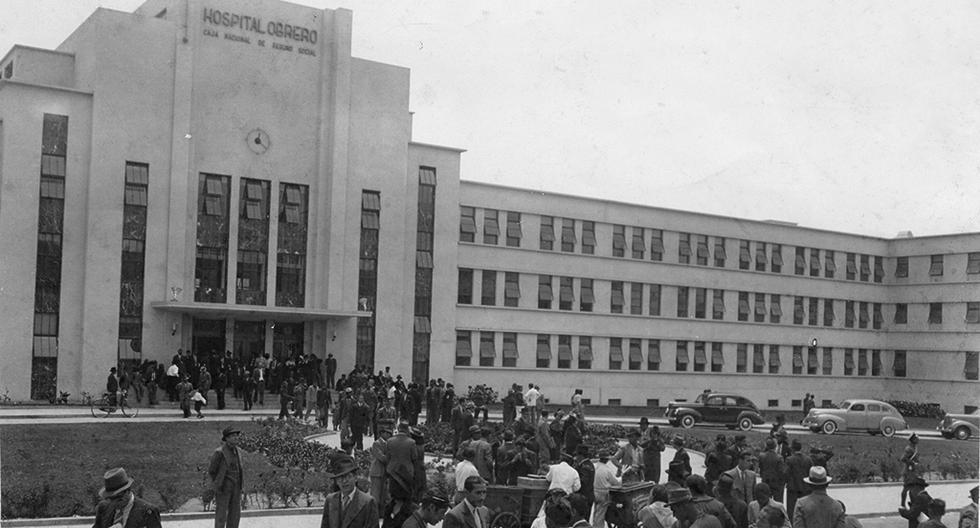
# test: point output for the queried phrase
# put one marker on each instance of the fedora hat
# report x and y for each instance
(228, 431)
(677, 440)
(678, 496)
(342, 466)
(818, 477)
(116, 482)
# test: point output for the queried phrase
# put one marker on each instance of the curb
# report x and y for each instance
(164, 517)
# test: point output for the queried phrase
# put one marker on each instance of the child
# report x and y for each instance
(199, 401)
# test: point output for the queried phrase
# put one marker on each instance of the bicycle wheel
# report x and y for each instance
(101, 407)
(129, 412)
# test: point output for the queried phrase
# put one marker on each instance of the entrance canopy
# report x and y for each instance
(254, 313)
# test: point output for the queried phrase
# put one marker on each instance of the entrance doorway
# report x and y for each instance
(208, 336)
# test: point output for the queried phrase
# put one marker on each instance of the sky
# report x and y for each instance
(854, 116)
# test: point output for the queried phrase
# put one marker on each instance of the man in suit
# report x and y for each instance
(119, 506)
(432, 511)
(484, 453)
(818, 510)
(331, 370)
(797, 468)
(227, 477)
(379, 464)
(505, 458)
(470, 512)
(402, 461)
(743, 478)
(349, 507)
(360, 419)
(772, 469)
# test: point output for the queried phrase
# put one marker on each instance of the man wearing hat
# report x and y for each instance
(402, 460)
(919, 500)
(676, 473)
(818, 510)
(586, 474)
(968, 516)
(431, 512)
(120, 507)
(227, 477)
(563, 476)
(797, 468)
(605, 478)
(349, 507)
(629, 457)
(680, 454)
(684, 510)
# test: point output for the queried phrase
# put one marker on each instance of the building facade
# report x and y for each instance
(211, 175)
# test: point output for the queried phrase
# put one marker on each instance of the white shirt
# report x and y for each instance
(172, 370)
(564, 477)
(605, 477)
(531, 397)
(464, 470)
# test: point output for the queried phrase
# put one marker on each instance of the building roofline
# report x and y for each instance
(33, 48)
(770, 223)
(46, 86)
(440, 147)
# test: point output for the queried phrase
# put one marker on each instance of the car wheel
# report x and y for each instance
(962, 433)
(947, 436)
(829, 427)
(888, 430)
(745, 424)
(687, 421)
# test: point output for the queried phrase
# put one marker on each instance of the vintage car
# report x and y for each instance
(715, 408)
(960, 426)
(856, 415)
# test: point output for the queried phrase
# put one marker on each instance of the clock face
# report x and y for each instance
(258, 141)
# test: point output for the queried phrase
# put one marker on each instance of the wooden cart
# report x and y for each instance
(515, 506)
(626, 502)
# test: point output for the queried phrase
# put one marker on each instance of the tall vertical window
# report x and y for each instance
(717, 358)
(545, 294)
(586, 296)
(851, 271)
(876, 362)
(814, 311)
(253, 241)
(901, 313)
(775, 309)
(654, 301)
(744, 255)
(681, 359)
(848, 314)
(211, 265)
(973, 312)
(488, 350)
(512, 288)
(514, 232)
(799, 312)
(638, 246)
(743, 306)
(464, 293)
(615, 353)
(828, 361)
(777, 258)
(936, 265)
(636, 298)
(619, 241)
(703, 254)
(936, 313)
(616, 298)
(467, 224)
(421, 337)
(684, 248)
(797, 360)
(547, 236)
(568, 235)
(800, 268)
(718, 305)
(564, 351)
(848, 361)
(741, 357)
(812, 362)
(879, 271)
(588, 238)
(291, 258)
(137, 181)
(653, 354)
(972, 365)
(566, 293)
(656, 244)
(865, 274)
(47, 282)
(814, 262)
(774, 361)
(901, 267)
(636, 354)
(760, 307)
(862, 362)
(509, 351)
(876, 317)
(758, 358)
(682, 301)
(720, 254)
(464, 348)
(829, 265)
(700, 357)
(491, 227)
(488, 288)
(761, 258)
(700, 302)
(898, 364)
(585, 352)
(973, 263)
(828, 312)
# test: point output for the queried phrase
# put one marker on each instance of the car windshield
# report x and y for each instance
(846, 404)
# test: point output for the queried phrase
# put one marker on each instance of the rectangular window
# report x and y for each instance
(879, 269)
(829, 264)
(615, 353)
(775, 309)
(543, 351)
(545, 295)
(812, 363)
(132, 270)
(973, 312)
(761, 258)
(464, 351)
(828, 312)
(464, 293)
(862, 362)
(717, 358)
(587, 298)
(585, 352)
(814, 262)
(935, 313)
(743, 306)
(720, 254)
(488, 352)
(797, 360)
(211, 265)
(653, 354)
(680, 360)
(656, 244)
(491, 227)
(898, 364)
(814, 311)
(514, 231)
(636, 298)
(291, 261)
(800, 261)
(760, 307)
(639, 246)
(547, 237)
(799, 313)
(636, 354)
(682, 301)
(876, 317)
(848, 361)
(848, 314)
(876, 362)
(758, 359)
(702, 256)
(718, 305)
(616, 298)
(973, 263)
(744, 257)
(863, 317)
(865, 268)
(512, 289)
(588, 238)
(253, 239)
(971, 365)
(509, 350)
(828, 361)
(619, 241)
(564, 351)
(568, 239)
(566, 295)
(700, 302)
(851, 270)
(777, 258)
(655, 300)
(684, 248)
(488, 290)
(741, 357)
(901, 267)
(901, 313)
(774, 361)
(936, 265)
(700, 358)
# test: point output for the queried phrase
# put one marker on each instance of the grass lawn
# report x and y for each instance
(167, 461)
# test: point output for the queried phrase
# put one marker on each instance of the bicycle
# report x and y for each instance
(104, 406)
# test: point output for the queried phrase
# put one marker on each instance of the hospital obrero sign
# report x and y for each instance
(272, 29)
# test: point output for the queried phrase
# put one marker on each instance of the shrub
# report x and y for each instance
(911, 409)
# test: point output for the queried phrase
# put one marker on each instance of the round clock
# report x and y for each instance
(258, 141)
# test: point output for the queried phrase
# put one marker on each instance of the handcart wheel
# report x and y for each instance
(505, 520)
